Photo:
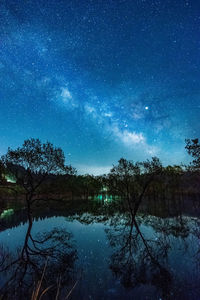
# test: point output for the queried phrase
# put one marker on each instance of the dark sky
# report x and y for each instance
(101, 79)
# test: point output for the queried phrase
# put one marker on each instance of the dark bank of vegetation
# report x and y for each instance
(36, 175)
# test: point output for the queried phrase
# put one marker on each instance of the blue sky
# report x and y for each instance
(101, 79)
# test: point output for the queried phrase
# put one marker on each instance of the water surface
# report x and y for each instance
(105, 258)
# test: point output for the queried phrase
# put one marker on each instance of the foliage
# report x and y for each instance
(193, 148)
(131, 180)
(36, 157)
(33, 163)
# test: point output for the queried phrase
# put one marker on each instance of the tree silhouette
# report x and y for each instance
(193, 148)
(32, 163)
(131, 180)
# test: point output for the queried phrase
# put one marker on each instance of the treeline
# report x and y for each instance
(38, 171)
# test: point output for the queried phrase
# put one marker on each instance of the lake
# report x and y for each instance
(91, 256)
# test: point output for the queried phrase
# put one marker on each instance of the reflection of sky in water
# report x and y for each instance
(94, 254)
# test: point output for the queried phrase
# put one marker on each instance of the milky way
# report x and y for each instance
(101, 79)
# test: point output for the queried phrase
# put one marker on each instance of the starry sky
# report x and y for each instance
(102, 79)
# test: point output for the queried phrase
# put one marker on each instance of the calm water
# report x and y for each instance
(102, 258)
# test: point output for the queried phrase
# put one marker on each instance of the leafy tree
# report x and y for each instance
(131, 180)
(33, 163)
(193, 148)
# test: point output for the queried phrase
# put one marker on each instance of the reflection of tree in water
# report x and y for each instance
(49, 256)
(196, 233)
(142, 257)
(178, 227)
(137, 260)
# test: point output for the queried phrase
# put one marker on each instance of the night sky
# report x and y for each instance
(101, 79)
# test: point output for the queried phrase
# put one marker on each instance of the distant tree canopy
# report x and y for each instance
(33, 162)
(193, 148)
